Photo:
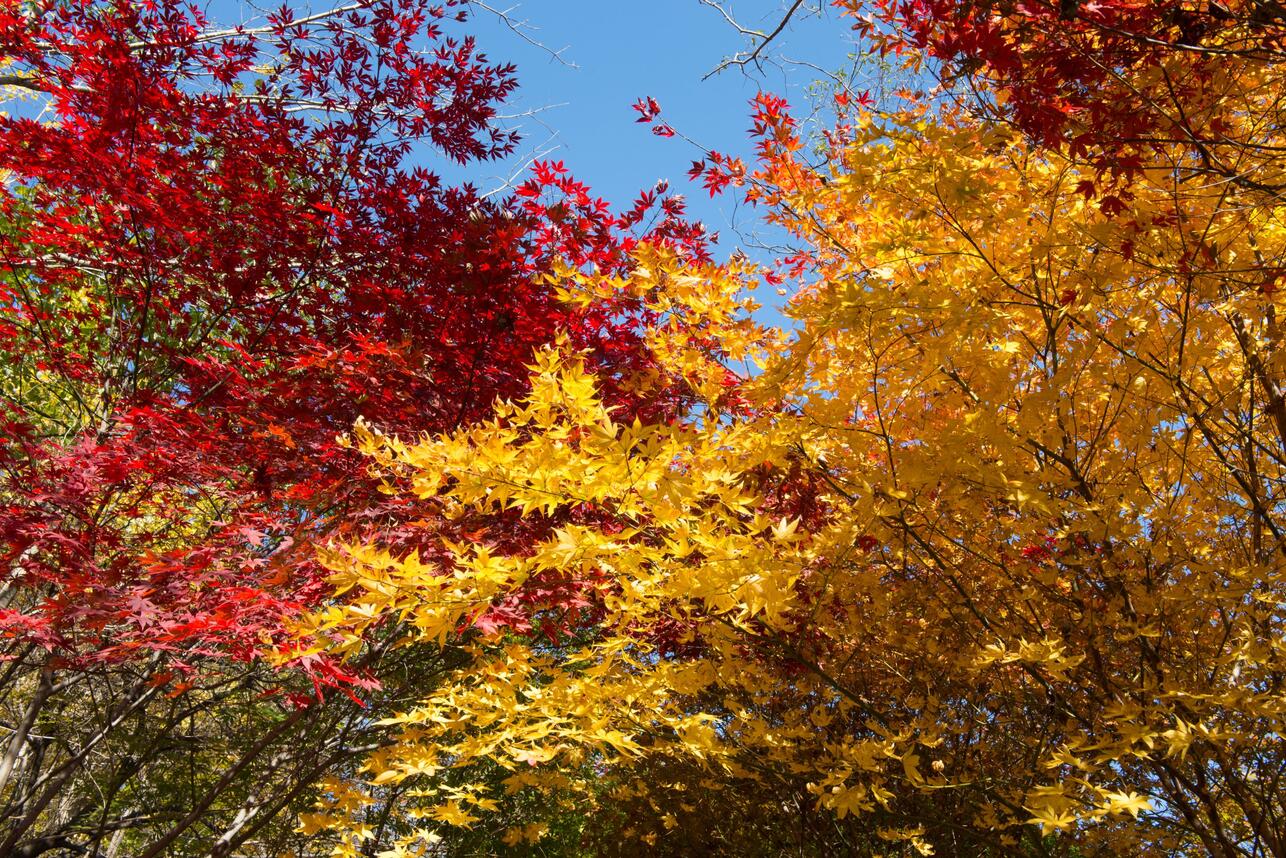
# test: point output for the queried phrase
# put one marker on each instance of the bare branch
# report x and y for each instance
(238, 32)
(523, 29)
(742, 59)
(23, 81)
(541, 151)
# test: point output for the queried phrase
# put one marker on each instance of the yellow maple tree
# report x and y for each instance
(989, 560)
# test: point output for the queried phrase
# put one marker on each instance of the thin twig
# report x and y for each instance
(745, 58)
(522, 29)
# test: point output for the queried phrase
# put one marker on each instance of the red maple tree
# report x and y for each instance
(219, 248)
(218, 253)
(1113, 81)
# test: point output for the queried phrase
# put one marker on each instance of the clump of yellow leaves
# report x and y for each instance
(1035, 583)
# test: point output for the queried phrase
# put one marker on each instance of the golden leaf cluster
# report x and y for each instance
(994, 551)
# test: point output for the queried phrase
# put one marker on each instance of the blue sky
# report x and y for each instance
(620, 51)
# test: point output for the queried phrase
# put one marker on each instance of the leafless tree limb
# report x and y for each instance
(742, 59)
(523, 29)
(506, 183)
